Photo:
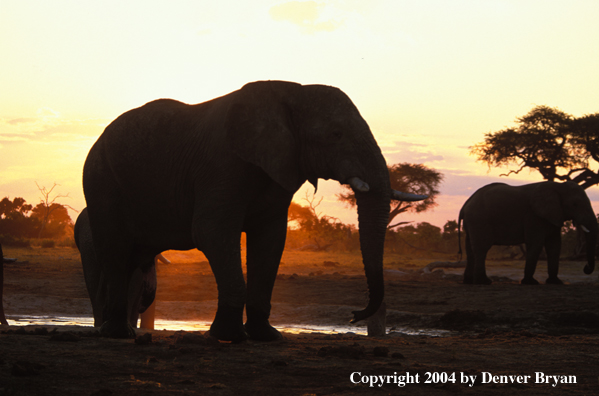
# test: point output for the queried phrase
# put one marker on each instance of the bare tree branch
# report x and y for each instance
(50, 205)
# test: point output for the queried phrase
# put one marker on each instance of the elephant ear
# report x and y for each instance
(258, 127)
(546, 203)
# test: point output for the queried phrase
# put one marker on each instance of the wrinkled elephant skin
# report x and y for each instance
(169, 175)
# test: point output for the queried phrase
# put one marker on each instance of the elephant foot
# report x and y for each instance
(529, 281)
(258, 327)
(554, 281)
(117, 329)
(228, 325)
(482, 281)
(262, 331)
(468, 280)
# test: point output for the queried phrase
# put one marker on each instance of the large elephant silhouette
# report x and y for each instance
(142, 286)
(533, 214)
(169, 175)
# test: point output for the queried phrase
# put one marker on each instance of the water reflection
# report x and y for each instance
(174, 325)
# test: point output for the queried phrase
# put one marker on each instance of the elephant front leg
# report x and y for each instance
(265, 244)
(469, 271)
(224, 255)
(553, 248)
(533, 251)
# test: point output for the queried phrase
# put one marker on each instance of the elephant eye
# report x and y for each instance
(337, 135)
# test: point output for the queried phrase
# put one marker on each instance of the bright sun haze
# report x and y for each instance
(430, 77)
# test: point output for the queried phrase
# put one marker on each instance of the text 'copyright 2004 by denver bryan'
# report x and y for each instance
(482, 378)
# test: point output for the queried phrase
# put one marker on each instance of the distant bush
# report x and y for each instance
(48, 243)
(411, 239)
(67, 242)
(337, 240)
(9, 240)
(316, 232)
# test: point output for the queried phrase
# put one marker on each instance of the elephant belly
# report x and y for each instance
(508, 236)
(161, 239)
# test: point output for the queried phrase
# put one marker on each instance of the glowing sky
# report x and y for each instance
(430, 77)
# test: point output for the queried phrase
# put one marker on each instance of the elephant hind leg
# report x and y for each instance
(475, 272)
(114, 253)
(116, 313)
(222, 249)
(529, 281)
(108, 215)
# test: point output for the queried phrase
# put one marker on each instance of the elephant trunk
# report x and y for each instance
(591, 241)
(373, 216)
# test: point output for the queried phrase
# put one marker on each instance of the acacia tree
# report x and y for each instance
(554, 143)
(411, 178)
(585, 131)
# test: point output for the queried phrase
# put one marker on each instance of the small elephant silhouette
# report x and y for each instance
(533, 214)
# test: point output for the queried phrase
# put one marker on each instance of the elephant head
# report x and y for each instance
(558, 202)
(297, 133)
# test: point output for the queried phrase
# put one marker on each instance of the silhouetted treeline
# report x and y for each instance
(423, 237)
(327, 234)
(20, 221)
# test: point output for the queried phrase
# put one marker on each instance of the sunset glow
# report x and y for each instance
(430, 77)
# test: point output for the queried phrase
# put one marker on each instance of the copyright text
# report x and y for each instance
(482, 378)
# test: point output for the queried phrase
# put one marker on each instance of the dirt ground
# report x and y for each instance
(444, 337)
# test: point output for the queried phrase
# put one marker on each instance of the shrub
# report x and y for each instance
(48, 243)
(9, 240)
(67, 242)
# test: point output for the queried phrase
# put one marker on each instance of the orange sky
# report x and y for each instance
(430, 77)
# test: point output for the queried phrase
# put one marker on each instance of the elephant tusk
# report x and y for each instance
(161, 258)
(358, 185)
(584, 229)
(402, 196)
